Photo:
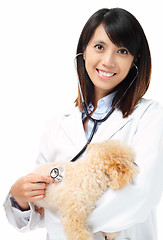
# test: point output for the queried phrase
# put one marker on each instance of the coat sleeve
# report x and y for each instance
(119, 210)
(28, 220)
(22, 220)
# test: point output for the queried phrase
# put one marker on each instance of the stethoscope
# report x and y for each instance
(57, 173)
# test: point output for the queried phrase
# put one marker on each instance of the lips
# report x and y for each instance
(105, 74)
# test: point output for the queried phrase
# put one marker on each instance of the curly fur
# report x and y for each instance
(106, 164)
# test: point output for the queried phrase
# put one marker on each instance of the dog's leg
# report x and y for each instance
(75, 226)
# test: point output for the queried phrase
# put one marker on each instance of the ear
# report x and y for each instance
(84, 55)
(114, 183)
(121, 173)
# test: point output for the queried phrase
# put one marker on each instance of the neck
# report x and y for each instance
(97, 97)
(100, 93)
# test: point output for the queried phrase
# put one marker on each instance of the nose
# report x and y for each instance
(108, 60)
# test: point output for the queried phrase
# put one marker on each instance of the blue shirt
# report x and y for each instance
(103, 107)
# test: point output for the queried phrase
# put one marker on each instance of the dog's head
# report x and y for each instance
(118, 162)
(121, 173)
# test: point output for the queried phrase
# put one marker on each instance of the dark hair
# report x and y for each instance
(123, 29)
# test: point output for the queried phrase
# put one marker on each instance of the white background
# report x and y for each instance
(38, 42)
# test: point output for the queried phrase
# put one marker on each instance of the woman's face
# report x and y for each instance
(107, 65)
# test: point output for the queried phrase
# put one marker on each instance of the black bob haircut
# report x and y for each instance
(124, 30)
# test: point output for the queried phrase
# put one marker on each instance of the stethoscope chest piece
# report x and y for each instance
(57, 173)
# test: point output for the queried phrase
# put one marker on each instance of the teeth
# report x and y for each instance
(106, 74)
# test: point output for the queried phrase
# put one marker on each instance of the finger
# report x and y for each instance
(28, 187)
(36, 198)
(52, 180)
(35, 186)
(47, 179)
(39, 185)
(37, 193)
(39, 179)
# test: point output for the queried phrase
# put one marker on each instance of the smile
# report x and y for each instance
(105, 74)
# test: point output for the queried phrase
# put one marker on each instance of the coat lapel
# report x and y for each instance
(73, 128)
(111, 126)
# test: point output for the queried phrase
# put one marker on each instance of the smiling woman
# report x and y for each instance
(115, 40)
(114, 67)
(106, 64)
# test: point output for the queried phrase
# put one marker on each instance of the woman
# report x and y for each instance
(114, 67)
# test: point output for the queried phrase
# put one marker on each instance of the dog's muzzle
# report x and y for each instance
(57, 173)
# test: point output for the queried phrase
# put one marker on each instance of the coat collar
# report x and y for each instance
(111, 126)
(73, 127)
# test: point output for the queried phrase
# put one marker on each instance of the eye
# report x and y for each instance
(123, 51)
(99, 47)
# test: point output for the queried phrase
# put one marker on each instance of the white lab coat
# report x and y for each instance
(130, 210)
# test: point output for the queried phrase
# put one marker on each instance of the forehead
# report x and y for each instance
(100, 36)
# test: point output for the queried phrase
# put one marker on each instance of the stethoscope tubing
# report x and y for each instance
(95, 121)
(88, 142)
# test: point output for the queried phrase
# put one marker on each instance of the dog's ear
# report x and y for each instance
(121, 173)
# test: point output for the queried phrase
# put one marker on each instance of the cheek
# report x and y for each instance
(91, 60)
(90, 66)
(125, 68)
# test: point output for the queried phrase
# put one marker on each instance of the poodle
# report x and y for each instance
(106, 164)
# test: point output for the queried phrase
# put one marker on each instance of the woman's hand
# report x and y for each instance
(29, 188)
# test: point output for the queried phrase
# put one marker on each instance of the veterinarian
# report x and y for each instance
(114, 67)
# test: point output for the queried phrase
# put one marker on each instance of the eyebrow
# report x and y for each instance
(101, 42)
